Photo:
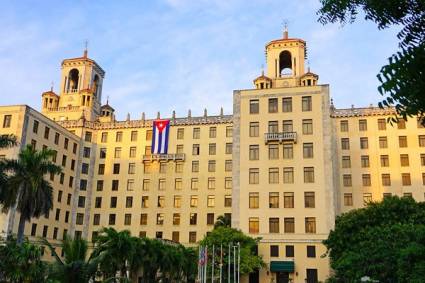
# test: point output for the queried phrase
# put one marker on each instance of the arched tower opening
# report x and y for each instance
(285, 63)
(73, 78)
(96, 85)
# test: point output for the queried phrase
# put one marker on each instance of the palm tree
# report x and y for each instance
(75, 267)
(222, 221)
(115, 251)
(7, 141)
(26, 187)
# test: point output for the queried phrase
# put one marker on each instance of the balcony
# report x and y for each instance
(280, 137)
(164, 157)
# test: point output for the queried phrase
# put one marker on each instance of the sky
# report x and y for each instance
(165, 55)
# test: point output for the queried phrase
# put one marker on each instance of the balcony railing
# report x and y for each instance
(280, 137)
(164, 157)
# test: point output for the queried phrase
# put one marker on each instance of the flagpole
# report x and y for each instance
(228, 265)
(234, 264)
(199, 263)
(206, 264)
(212, 265)
(239, 262)
(221, 261)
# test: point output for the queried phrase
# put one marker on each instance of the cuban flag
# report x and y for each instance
(161, 128)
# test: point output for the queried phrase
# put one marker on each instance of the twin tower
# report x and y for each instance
(80, 92)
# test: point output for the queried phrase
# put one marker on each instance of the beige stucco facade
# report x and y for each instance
(282, 166)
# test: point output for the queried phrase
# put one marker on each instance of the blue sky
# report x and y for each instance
(169, 55)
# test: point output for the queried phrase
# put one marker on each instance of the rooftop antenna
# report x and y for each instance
(285, 28)
(86, 44)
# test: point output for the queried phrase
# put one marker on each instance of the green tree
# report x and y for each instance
(385, 241)
(222, 221)
(76, 266)
(21, 263)
(225, 236)
(27, 187)
(6, 141)
(403, 79)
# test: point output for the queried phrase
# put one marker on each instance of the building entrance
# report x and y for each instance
(282, 277)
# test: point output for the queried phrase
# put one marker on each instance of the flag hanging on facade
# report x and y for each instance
(160, 132)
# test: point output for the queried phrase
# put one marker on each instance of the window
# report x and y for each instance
(308, 150)
(177, 201)
(288, 200)
(402, 141)
(46, 132)
(289, 225)
(273, 105)
(287, 104)
(193, 201)
(254, 225)
(129, 202)
(312, 276)
(194, 184)
(229, 131)
(227, 201)
(254, 152)
(178, 184)
(101, 169)
(161, 202)
(273, 127)
(310, 225)
(115, 185)
(193, 220)
(345, 143)
(80, 219)
(274, 225)
(306, 103)
(346, 162)
(83, 184)
(228, 182)
(146, 184)
(35, 128)
(192, 237)
(421, 140)
(344, 125)
(113, 203)
(386, 180)
(273, 200)
(273, 175)
(133, 136)
(196, 133)
(404, 160)
(98, 202)
(405, 179)
(179, 167)
(132, 152)
(148, 150)
(149, 135)
(116, 169)
(348, 199)
(86, 152)
(96, 219)
(180, 133)
(212, 149)
(104, 137)
(307, 127)
(382, 124)
(228, 166)
(176, 218)
(366, 180)
(211, 165)
(118, 137)
(311, 251)
(254, 175)
(117, 153)
(309, 200)
(254, 200)
(88, 136)
(289, 251)
(288, 151)
(127, 219)
(287, 126)
(254, 106)
(210, 201)
(347, 180)
(145, 201)
(367, 198)
(161, 184)
(288, 175)
(84, 168)
(179, 148)
(364, 143)
(422, 159)
(195, 149)
(364, 161)
(102, 153)
(144, 219)
(99, 185)
(401, 124)
(383, 143)
(63, 160)
(158, 235)
(308, 174)
(274, 251)
(254, 129)
(81, 201)
(229, 148)
(384, 161)
(362, 125)
(159, 219)
(195, 166)
(423, 178)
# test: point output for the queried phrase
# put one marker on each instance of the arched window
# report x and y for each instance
(74, 75)
(285, 63)
(95, 85)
